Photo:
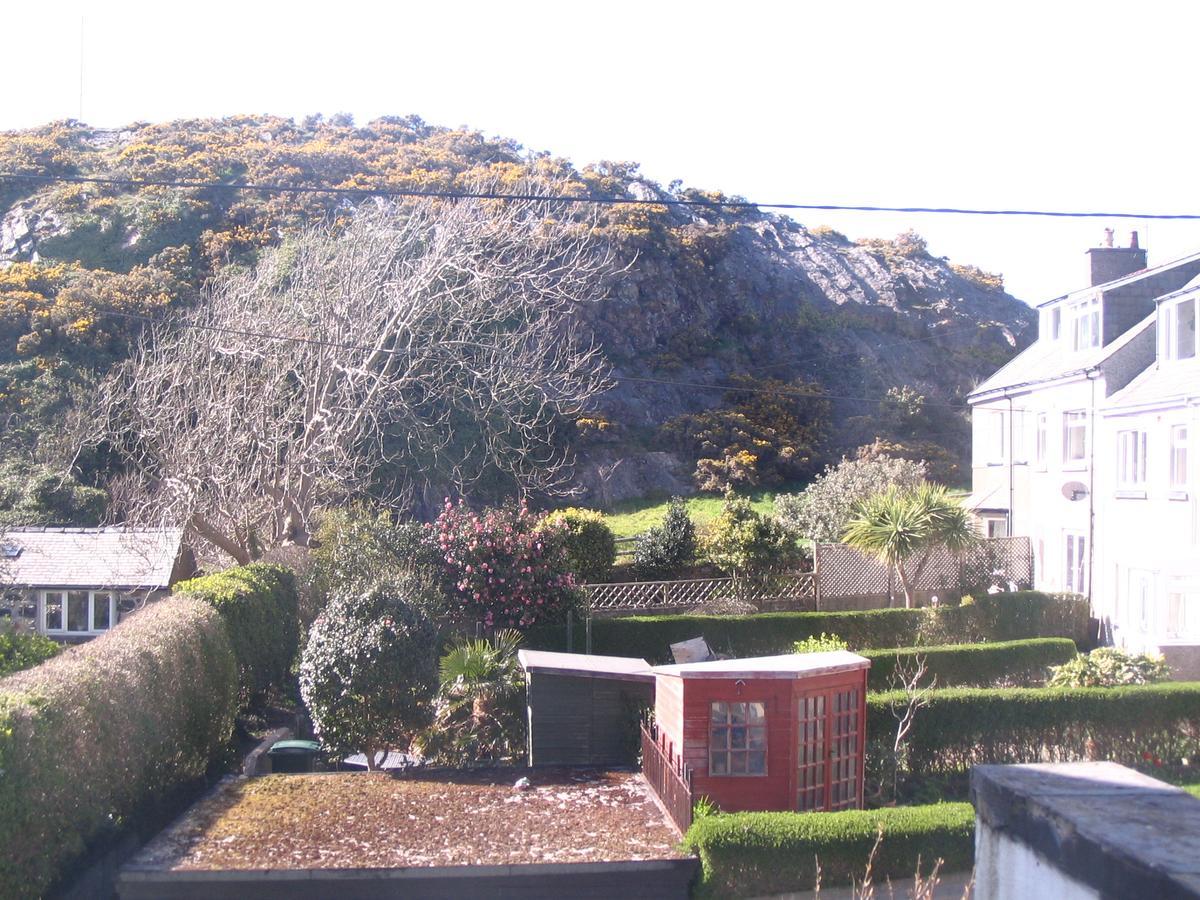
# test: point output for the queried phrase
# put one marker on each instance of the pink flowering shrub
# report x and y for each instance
(503, 567)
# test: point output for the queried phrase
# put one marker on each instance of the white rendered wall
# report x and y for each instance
(1008, 870)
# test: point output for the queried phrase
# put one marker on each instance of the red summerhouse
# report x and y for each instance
(768, 733)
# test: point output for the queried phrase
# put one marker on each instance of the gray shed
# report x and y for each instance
(583, 710)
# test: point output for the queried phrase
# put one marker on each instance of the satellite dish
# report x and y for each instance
(1075, 490)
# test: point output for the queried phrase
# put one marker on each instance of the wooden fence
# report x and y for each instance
(667, 776)
(774, 593)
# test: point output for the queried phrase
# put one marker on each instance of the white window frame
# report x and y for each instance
(1169, 332)
(1179, 458)
(1131, 460)
(1039, 449)
(1075, 562)
(1085, 324)
(995, 527)
(721, 741)
(62, 628)
(1183, 606)
(1056, 323)
(1075, 419)
(1141, 601)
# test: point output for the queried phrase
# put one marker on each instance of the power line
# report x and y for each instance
(603, 200)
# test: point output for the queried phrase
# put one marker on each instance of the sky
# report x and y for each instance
(1067, 106)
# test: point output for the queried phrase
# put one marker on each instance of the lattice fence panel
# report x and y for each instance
(844, 572)
(797, 591)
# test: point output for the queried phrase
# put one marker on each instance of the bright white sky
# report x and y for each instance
(1034, 105)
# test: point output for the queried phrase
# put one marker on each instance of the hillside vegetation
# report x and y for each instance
(767, 348)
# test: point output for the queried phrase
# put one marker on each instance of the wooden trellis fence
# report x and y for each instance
(770, 593)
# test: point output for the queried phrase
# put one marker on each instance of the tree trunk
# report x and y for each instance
(904, 586)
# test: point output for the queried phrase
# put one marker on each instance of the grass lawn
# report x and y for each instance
(635, 516)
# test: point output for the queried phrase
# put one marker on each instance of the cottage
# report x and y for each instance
(76, 583)
(771, 732)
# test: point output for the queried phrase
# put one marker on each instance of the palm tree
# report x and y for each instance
(901, 528)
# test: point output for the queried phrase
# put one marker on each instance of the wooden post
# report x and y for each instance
(570, 631)
(588, 636)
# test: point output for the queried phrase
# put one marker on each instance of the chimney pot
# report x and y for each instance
(1133, 241)
(1108, 237)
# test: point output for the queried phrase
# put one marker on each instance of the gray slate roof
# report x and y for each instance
(1174, 382)
(89, 557)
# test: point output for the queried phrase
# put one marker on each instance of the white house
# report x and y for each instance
(1149, 496)
(1036, 456)
(76, 583)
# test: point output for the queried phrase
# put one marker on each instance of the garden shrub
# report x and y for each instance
(982, 665)
(369, 670)
(742, 541)
(1003, 617)
(665, 550)
(1110, 667)
(964, 727)
(90, 737)
(766, 853)
(259, 605)
(822, 643)
(823, 509)
(590, 544)
(502, 568)
(24, 649)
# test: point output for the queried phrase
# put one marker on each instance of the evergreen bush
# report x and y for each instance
(1110, 667)
(665, 550)
(590, 544)
(24, 649)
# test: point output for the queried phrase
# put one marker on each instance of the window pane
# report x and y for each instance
(101, 611)
(54, 610)
(758, 712)
(737, 738)
(718, 738)
(77, 610)
(756, 762)
(1185, 330)
(719, 764)
(737, 713)
(737, 763)
(758, 738)
(720, 713)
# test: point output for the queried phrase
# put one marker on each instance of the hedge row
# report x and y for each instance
(963, 727)
(91, 735)
(756, 854)
(259, 605)
(984, 665)
(993, 617)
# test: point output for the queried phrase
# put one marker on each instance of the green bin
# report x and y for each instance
(294, 756)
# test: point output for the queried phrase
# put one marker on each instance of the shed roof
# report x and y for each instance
(90, 557)
(584, 665)
(790, 665)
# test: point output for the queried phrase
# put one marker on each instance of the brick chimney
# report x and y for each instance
(1108, 262)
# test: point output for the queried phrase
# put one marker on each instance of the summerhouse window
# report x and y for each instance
(737, 739)
(78, 612)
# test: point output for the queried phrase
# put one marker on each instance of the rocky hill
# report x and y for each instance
(718, 308)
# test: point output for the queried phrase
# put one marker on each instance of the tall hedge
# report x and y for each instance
(982, 665)
(90, 736)
(963, 727)
(259, 605)
(757, 854)
(994, 617)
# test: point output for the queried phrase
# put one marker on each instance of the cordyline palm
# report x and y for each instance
(900, 528)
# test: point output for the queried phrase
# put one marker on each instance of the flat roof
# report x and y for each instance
(790, 665)
(585, 665)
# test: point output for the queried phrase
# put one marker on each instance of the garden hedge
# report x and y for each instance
(963, 727)
(757, 854)
(260, 607)
(90, 737)
(981, 665)
(993, 617)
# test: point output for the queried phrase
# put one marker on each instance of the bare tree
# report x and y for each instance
(431, 337)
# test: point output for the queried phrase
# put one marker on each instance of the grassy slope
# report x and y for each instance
(635, 516)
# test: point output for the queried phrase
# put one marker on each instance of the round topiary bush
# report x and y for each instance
(590, 544)
(369, 671)
(665, 550)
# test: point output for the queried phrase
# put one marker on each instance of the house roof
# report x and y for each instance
(1131, 278)
(1172, 383)
(790, 665)
(584, 665)
(90, 557)
(1047, 361)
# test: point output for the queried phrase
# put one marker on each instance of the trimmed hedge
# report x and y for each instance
(92, 735)
(963, 727)
(261, 611)
(981, 665)
(993, 617)
(757, 854)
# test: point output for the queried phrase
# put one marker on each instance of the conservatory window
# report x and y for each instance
(737, 739)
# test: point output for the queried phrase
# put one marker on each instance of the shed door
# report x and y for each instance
(829, 750)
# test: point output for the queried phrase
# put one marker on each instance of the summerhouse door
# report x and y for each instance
(829, 750)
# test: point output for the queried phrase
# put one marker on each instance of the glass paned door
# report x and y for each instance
(828, 758)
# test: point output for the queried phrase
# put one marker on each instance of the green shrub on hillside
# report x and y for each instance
(759, 854)
(89, 738)
(665, 550)
(590, 544)
(259, 605)
(744, 542)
